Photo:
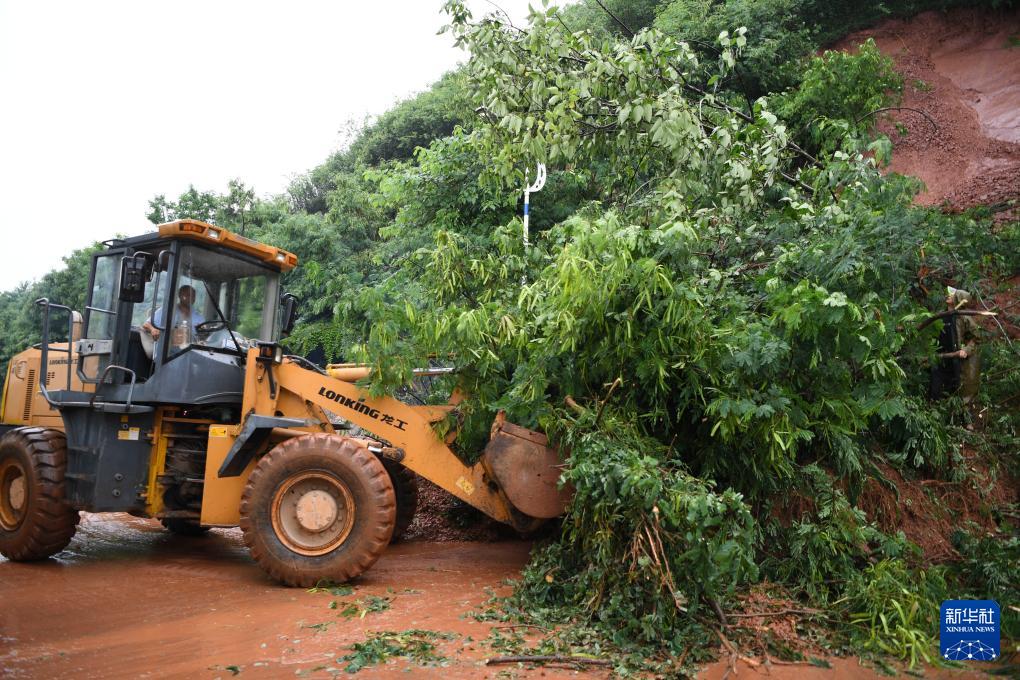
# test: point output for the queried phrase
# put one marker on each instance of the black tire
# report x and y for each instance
(286, 519)
(405, 487)
(35, 519)
(183, 527)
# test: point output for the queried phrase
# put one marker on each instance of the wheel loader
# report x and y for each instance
(170, 396)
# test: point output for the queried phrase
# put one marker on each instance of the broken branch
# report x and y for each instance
(547, 659)
(781, 612)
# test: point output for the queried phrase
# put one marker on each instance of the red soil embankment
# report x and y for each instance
(962, 69)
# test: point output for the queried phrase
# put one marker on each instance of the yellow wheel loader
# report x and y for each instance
(171, 397)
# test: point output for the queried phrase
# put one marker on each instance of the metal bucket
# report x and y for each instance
(526, 469)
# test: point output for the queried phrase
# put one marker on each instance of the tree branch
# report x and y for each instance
(617, 19)
(555, 658)
(781, 612)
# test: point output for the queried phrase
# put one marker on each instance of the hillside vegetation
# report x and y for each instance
(720, 281)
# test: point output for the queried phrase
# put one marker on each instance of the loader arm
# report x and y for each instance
(406, 427)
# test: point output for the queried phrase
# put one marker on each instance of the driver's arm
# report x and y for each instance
(151, 329)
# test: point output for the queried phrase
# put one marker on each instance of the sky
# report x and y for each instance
(104, 105)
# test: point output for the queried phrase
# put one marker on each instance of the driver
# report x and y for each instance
(185, 319)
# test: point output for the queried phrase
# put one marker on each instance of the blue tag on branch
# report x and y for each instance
(970, 630)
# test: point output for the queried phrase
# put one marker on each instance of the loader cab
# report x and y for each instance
(170, 315)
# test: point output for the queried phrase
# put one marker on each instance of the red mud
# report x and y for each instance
(928, 511)
(128, 599)
(962, 70)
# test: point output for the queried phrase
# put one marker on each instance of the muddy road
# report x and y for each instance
(128, 599)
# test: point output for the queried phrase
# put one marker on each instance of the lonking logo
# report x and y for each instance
(359, 406)
(970, 630)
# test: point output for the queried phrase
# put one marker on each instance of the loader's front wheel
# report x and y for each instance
(35, 519)
(317, 507)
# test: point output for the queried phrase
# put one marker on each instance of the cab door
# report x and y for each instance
(113, 328)
(95, 349)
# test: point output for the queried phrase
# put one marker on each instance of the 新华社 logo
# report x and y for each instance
(969, 630)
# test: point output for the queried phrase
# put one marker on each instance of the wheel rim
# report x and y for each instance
(313, 513)
(13, 494)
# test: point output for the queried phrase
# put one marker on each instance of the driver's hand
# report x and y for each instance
(152, 331)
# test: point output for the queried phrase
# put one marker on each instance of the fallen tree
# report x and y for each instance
(734, 319)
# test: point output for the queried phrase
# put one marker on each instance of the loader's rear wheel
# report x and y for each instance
(405, 486)
(183, 527)
(317, 507)
(35, 520)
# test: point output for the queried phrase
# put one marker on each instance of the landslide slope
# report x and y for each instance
(962, 70)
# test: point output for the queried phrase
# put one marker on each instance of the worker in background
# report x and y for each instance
(185, 319)
(959, 368)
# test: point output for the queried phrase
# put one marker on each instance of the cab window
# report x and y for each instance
(222, 301)
(102, 307)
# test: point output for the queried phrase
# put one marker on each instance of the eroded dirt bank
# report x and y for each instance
(961, 71)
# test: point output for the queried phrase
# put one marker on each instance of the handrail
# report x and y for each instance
(45, 345)
(102, 379)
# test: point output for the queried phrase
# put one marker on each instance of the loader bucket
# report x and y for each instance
(526, 469)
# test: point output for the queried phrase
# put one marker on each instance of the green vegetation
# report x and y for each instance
(335, 589)
(418, 646)
(840, 93)
(894, 609)
(720, 279)
(989, 566)
(364, 606)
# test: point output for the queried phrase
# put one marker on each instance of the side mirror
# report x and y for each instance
(135, 272)
(290, 311)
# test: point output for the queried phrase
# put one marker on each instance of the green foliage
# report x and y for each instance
(839, 95)
(988, 571)
(827, 546)
(231, 210)
(783, 34)
(418, 646)
(894, 610)
(331, 587)
(778, 35)
(365, 606)
(634, 14)
(645, 544)
(393, 136)
(414, 123)
(740, 319)
(919, 437)
(1000, 438)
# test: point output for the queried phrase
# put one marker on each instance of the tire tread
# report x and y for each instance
(286, 458)
(50, 523)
